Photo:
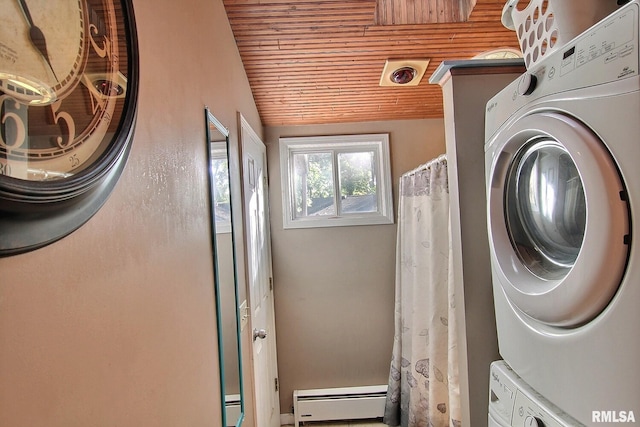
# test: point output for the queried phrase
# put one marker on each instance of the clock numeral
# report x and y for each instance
(74, 160)
(13, 132)
(5, 169)
(97, 102)
(62, 117)
(106, 117)
(104, 50)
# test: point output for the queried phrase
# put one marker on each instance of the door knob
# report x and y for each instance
(259, 333)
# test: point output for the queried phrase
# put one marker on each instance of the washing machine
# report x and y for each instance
(562, 149)
(512, 402)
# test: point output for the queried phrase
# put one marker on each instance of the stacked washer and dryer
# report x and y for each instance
(563, 188)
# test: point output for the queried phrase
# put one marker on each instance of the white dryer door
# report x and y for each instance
(558, 219)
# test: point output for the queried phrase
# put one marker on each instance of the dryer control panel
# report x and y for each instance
(514, 403)
(605, 53)
(608, 51)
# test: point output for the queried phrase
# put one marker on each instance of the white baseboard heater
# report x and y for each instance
(346, 403)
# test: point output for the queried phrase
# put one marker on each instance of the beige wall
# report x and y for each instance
(334, 287)
(115, 324)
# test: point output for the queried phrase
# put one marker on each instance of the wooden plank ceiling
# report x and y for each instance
(320, 61)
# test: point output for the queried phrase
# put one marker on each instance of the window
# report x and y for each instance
(221, 194)
(336, 180)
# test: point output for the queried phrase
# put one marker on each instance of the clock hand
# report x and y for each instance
(36, 36)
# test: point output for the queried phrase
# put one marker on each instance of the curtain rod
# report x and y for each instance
(441, 158)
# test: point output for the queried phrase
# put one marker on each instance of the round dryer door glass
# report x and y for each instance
(558, 220)
(545, 209)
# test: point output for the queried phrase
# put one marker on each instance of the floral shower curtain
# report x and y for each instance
(423, 379)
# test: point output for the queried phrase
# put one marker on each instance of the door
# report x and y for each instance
(259, 277)
(558, 219)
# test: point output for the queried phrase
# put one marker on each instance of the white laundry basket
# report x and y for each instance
(543, 26)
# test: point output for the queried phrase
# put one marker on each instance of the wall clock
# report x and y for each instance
(68, 96)
(501, 53)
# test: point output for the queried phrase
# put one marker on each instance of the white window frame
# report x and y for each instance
(378, 143)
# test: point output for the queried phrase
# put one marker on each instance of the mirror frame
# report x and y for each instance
(210, 121)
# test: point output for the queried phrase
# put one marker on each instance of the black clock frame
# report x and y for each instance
(34, 214)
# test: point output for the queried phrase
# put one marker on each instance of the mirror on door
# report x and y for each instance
(226, 287)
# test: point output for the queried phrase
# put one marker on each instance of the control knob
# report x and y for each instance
(533, 422)
(527, 84)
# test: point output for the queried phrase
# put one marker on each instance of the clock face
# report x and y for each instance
(68, 91)
(44, 49)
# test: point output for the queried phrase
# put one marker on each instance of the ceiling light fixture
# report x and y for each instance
(403, 72)
(403, 75)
